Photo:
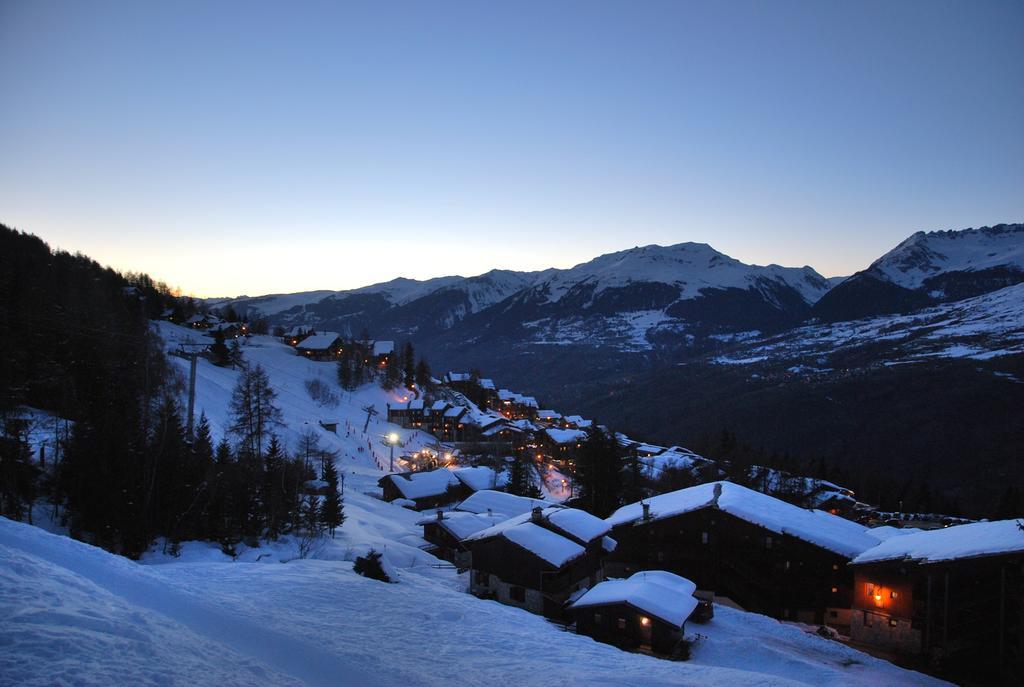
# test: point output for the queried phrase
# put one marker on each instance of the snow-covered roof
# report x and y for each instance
(416, 405)
(319, 341)
(501, 502)
(383, 347)
(461, 524)
(480, 478)
(506, 395)
(553, 548)
(578, 420)
(486, 384)
(828, 531)
(566, 436)
(528, 401)
(655, 592)
(576, 523)
(548, 415)
(418, 485)
(579, 523)
(457, 377)
(439, 405)
(885, 532)
(950, 543)
(454, 411)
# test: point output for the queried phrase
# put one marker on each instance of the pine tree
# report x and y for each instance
(408, 365)
(423, 375)
(273, 494)
(235, 355)
(519, 481)
(219, 352)
(332, 512)
(254, 415)
(599, 472)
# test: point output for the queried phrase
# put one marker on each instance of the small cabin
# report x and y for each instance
(424, 489)
(322, 346)
(381, 352)
(446, 530)
(646, 612)
(536, 561)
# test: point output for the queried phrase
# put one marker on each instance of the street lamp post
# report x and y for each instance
(392, 440)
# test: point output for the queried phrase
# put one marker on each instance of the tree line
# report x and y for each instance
(75, 340)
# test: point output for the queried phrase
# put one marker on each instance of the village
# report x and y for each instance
(935, 593)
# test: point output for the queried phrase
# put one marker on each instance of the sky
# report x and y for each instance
(248, 148)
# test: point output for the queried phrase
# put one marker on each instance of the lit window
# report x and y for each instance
(835, 589)
(645, 621)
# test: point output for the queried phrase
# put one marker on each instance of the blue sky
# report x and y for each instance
(233, 148)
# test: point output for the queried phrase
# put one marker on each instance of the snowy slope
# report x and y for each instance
(288, 375)
(982, 327)
(76, 614)
(926, 255)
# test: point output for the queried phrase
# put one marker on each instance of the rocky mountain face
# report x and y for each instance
(929, 268)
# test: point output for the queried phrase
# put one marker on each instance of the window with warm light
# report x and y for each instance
(645, 621)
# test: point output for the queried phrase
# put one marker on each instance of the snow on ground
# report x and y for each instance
(288, 375)
(983, 327)
(74, 614)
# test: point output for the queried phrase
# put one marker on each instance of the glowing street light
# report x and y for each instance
(392, 440)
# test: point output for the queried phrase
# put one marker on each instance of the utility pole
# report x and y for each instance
(194, 357)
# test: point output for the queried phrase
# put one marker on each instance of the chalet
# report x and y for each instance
(647, 611)
(515, 406)
(451, 425)
(409, 414)
(767, 555)
(381, 352)
(561, 444)
(480, 478)
(954, 595)
(322, 346)
(550, 418)
(537, 560)
(422, 490)
(577, 422)
(202, 321)
(500, 503)
(293, 336)
(229, 330)
(446, 531)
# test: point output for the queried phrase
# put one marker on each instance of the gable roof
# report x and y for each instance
(973, 540)
(655, 592)
(461, 524)
(545, 544)
(319, 342)
(575, 523)
(480, 478)
(500, 502)
(822, 529)
(418, 485)
(383, 347)
(566, 436)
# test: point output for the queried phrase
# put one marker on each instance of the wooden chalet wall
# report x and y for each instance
(761, 570)
(965, 615)
(620, 625)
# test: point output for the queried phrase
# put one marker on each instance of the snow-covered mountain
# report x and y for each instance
(615, 299)
(691, 267)
(928, 268)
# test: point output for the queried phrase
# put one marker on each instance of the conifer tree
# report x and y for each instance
(423, 375)
(332, 513)
(254, 415)
(408, 365)
(598, 473)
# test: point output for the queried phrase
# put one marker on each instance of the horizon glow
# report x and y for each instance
(250, 148)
